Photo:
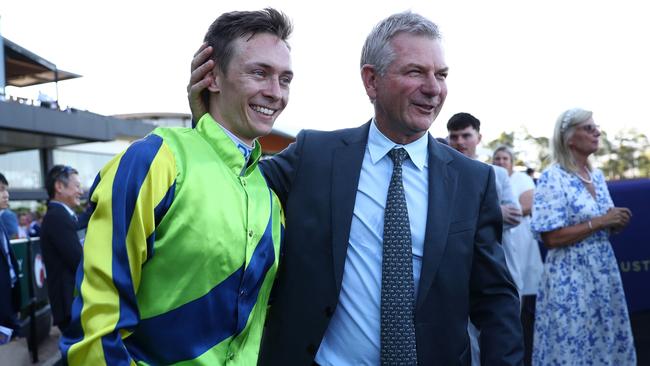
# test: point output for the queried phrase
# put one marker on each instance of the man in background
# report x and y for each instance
(8, 218)
(60, 243)
(464, 136)
(9, 285)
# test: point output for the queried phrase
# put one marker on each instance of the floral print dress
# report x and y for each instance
(581, 315)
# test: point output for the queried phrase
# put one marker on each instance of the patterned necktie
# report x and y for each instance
(397, 289)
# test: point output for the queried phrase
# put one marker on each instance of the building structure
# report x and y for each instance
(35, 133)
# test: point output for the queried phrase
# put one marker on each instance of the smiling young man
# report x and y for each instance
(183, 244)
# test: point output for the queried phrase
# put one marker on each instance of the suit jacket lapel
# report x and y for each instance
(346, 169)
(442, 191)
(58, 209)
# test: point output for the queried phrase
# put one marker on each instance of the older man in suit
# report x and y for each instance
(392, 239)
(62, 250)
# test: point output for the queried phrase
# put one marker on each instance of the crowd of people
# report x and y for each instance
(21, 225)
(573, 307)
(61, 237)
(382, 244)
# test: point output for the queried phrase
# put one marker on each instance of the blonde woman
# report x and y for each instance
(581, 316)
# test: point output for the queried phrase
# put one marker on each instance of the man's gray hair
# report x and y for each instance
(377, 50)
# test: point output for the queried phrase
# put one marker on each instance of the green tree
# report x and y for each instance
(505, 138)
(543, 149)
(625, 156)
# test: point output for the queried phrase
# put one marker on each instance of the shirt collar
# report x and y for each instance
(379, 145)
(241, 145)
(72, 213)
(226, 148)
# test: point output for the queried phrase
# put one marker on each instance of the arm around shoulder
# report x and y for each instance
(281, 169)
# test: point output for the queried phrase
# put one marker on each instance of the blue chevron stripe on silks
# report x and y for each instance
(224, 312)
(131, 173)
(262, 259)
(159, 213)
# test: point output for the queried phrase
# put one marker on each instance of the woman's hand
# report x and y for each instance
(615, 219)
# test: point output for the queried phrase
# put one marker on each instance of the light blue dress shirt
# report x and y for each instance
(241, 145)
(353, 335)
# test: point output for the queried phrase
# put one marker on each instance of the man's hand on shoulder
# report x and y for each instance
(200, 78)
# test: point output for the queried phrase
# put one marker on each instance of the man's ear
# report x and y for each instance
(480, 137)
(58, 186)
(217, 79)
(369, 77)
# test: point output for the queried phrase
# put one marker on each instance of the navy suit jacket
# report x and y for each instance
(62, 253)
(463, 271)
(9, 297)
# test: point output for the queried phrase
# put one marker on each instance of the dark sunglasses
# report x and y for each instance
(590, 128)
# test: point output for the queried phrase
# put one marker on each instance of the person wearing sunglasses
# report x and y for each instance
(581, 315)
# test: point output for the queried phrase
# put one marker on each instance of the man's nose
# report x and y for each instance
(273, 89)
(431, 86)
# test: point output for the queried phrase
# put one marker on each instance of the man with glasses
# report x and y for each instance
(60, 243)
